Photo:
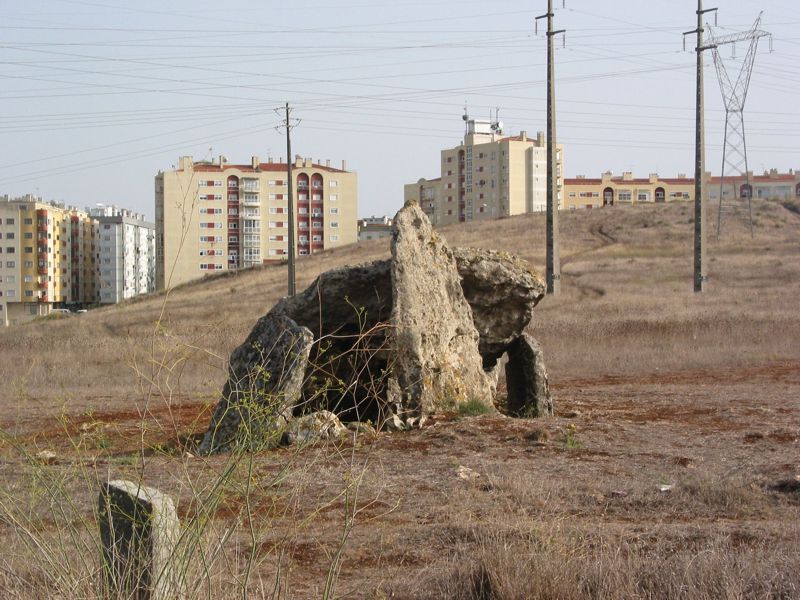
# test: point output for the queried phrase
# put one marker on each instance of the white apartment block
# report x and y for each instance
(488, 176)
(213, 217)
(126, 264)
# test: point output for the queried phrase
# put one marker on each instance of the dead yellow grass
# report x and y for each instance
(655, 386)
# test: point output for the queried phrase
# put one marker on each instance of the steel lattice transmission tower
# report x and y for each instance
(734, 94)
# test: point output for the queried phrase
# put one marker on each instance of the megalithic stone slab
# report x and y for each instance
(435, 344)
(501, 290)
(265, 382)
(139, 531)
(526, 379)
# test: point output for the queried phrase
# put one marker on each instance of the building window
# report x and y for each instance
(335, 197)
(334, 183)
(334, 210)
(28, 221)
(334, 224)
(9, 221)
(334, 238)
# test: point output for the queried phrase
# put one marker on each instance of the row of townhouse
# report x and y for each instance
(611, 190)
(214, 217)
(56, 256)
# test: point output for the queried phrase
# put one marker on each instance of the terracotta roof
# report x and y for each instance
(262, 167)
(582, 181)
(677, 180)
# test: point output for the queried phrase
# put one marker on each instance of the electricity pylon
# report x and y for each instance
(734, 94)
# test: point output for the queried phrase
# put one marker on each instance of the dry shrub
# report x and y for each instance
(554, 563)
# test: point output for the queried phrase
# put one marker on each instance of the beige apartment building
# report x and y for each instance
(47, 258)
(488, 176)
(611, 190)
(213, 217)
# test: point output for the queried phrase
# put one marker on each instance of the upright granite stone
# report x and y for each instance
(434, 341)
(139, 531)
(265, 381)
(526, 379)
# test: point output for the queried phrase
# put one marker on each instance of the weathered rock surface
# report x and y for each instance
(390, 341)
(314, 427)
(266, 375)
(139, 532)
(526, 379)
(434, 340)
(502, 291)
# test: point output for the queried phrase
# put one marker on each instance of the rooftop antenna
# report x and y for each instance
(734, 95)
(465, 117)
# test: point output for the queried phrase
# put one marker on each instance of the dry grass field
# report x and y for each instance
(671, 469)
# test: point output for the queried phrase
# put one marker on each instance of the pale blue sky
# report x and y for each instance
(129, 87)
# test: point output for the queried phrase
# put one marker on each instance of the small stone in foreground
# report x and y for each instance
(139, 532)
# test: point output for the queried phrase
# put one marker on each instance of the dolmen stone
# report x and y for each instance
(389, 342)
(139, 533)
(266, 375)
(434, 341)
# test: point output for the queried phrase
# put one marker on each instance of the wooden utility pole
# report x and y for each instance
(700, 235)
(553, 260)
(288, 125)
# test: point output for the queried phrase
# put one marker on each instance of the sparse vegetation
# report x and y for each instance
(474, 407)
(666, 390)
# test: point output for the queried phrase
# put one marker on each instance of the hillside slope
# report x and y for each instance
(670, 469)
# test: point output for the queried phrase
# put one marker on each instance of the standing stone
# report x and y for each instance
(139, 531)
(436, 359)
(526, 379)
(501, 290)
(265, 381)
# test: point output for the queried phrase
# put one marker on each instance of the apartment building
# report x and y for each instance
(126, 260)
(216, 217)
(488, 176)
(611, 190)
(374, 228)
(47, 258)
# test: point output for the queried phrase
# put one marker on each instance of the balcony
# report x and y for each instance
(251, 200)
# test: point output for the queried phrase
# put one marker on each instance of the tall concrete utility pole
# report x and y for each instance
(288, 125)
(700, 236)
(553, 261)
